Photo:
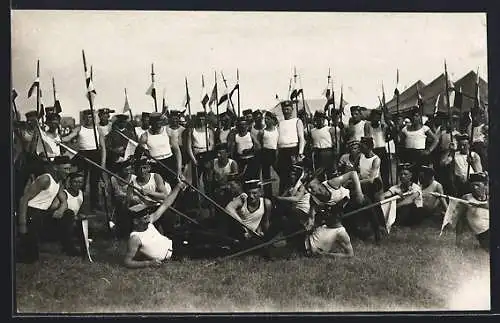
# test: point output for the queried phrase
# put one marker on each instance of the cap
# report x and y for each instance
(145, 114)
(257, 113)
(174, 113)
(155, 116)
(126, 163)
(286, 103)
(61, 160)
(31, 114)
(462, 136)
(414, 109)
(140, 210)
(221, 146)
(86, 112)
(247, 112)
(76, 175)
(352, 142)
(252, 184)
(427, 169)
(319, 114)
(478, 177)
(121, 117)
(407, 166)
(201, 114)
(241, 120)
(355, 108)
(105, 110)
(143, 160)
(49, 110)
(367, 140)
(52, 117)
(376, 112)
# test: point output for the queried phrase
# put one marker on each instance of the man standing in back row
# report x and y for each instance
(291, 144)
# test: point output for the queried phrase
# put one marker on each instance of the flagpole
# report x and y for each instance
(476, 108)
(16, 113)
(205, 110)
(216, 100)
(448, 100)
(91, 104)
(54, 90)
(295, 81)
(386, 115)
(330, 115)
(38, 88)
(238, 82)
(188, 103)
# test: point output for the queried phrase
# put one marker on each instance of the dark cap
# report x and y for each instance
(257, 114)
(155, 116)
(247, 112)
(414, 109)
(478, 177)
(143, 160)
(52, 117)
(145, 114)
(352, 142)
(31, 114)
(286, 103)
(367, 140)
(201, 114)
(427, 169)
(355, 108)
(105, 110)
(252, 184)
(49, 110)
(462, 136)
(126, 163)
(121, 117)
(319, 114)
(76, 175)
(241, 120)
(405, 166)
(174, 113)
(87, 112)
(61, 160)
(376, 112)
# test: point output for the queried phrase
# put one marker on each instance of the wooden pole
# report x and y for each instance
(154, 88)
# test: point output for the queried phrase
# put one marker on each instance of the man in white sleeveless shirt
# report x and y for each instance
(200, 145)
(146, 246)
(356, 128)
(37, 204)
(51, 138)
(379, 132)
(176, 130)
(244, 147)
(144, 124)
(291, 144)
(323, 141)
(86, 141)
(162, 147)
(226, 125)
(104, 120)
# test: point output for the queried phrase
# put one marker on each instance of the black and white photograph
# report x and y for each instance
(249, 162)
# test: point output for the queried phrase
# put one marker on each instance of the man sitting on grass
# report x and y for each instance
(146, 246)
(433, 207)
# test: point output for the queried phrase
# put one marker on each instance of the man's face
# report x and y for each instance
(424, 177)
(76, 183)
(156, 125)
(53, 124)
(478, 188)
(174, 120)
(88, 120)
(225, 121)
(63, 170)
(354, 150)
(104, 117)
(376, 119)
(242, 127)
(125, 171)
(254, 194)
(143, 170)
(258, 118)
(416, 118)
(364, 148)
(463, 146)
(287, 111)
(145, 121)
(222, 154)
(249, 118)
(318, 122)
(405, 176)
(356, 115)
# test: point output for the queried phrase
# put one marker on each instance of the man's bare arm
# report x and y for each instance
(133, 247)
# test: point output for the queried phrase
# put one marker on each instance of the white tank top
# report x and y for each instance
(478, 218)
(270, 139)
(288, 136)
(43, 200)
(378, 136)
(415, 139)
(243, 143)
(51, 144)
(304, 204)
(254, 131)
(359, 130)
(150, 185)
(225, 170)
(199, 142)
(86, 139)
(105, 130)
(223, 135)
(477, 134)
(323, 238)
(153, 244)
(74, 202)
(251, 219)
(321, 138)
(159, 144)
(365, 166)
(336, 194)
(139, 131)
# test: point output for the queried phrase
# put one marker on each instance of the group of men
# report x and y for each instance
(331, 174)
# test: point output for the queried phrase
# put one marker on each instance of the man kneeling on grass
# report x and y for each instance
(146, 246)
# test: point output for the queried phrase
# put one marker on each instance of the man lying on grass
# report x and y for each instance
(146, 246)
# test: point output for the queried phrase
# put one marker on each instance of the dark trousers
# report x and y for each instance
(268, 160)
(284, 164)
(91, 171)
(385, 167)
(326, 159)
(252, 165)
(169, 175)
(409, 215)
(355, 224)
(41, 225)
(482, 150)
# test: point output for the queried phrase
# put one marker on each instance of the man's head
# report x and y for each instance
(174, 118)
(454, 121)
(121, 121)
(375, 117)
(155, 121)
(405, 173)
(140, 216)
(257, 116)
(253, 188)
(287, 109)
(221, 150)
(62, 166)
(200, 120)
(145, 122)
(31, 118)
(463, 143)
(225, 120)
(295, 173)
(76, 181)
(319, 119)
(104, 115)
(336, 117)
(53, 120)
(248, 115)
(353, 147)
(87, 117)
(366, 144)
(416, 115)
(242, 125)
(270, 119)
(125, 168)
(479, 184)
(426, 174)
(142, 167)
(356, 113)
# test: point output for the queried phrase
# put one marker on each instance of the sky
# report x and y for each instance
(363, 50)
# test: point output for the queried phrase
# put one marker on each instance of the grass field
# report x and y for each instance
(411, 270)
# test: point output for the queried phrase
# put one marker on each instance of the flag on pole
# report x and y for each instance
(151, 90)
(436, 104)
(452, 214)
(91, 92)
(204, 95)
(187, 98)
(36, 84)
(327, 92)
(223, 97)
(164, 107)
(420, 100)
(396, 90)
(126, 106)
(41, 113)
(213, 96)
(389, 211)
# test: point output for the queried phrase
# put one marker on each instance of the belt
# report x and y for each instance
(162, 157)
